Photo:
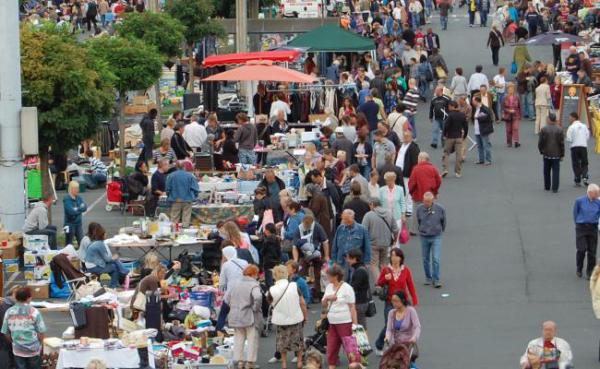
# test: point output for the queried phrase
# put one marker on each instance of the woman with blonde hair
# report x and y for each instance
(241, 241)
(74, 207)
(245, 316)
(511, 115)
(393, 198)
(286, 298)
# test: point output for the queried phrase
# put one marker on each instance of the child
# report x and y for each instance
(270, 252)
(314, 360)
(292, 267)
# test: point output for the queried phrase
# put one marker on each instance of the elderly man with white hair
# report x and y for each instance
(432, 223)
(547, 351)
(350, 235)
(424, 178)
(586, 212)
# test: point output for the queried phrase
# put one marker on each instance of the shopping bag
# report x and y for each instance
(404, 236)
(351, 349)
(513, 68)
(440, 72)
(140, 301)
(362, 340)
(267, 218)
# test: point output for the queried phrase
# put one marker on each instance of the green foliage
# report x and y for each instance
(157, 29)
(136, 65)
(195, 15)
(71, 90)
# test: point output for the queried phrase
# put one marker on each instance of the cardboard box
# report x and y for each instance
(140, 100)
(4, 235)
(40, 291)
(49, 255)
(11, 251)
(28, 273)
(11, 265)
(129, 110)
(140, 109)
(42, 272)
(36, 242)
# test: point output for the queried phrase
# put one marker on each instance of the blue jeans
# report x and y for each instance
(381, 338)
(483, 18)
(499, 103)
(415, 19)
(110, 268)
(34, 362)
(222, 319)
(436, 132)
(413, 125)
(94, 179)
(444, 22)
(247, 156)
(75, 230)
(431, 248)
(527, 109)
(423, 88)
(365, 170)
(484, 147)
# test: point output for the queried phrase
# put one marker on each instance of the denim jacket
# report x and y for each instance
(351, 237)
(182, 187)
(98, 254)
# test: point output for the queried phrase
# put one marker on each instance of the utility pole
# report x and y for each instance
(12, 196)
(241, 45)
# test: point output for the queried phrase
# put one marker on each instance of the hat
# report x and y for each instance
(229, 252)
(339, 130)
(243, 221)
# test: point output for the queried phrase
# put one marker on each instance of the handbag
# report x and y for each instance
(404, 236)
(351, 348)
(513, 68)
(440, 72)
(383, 293)
(414, 352)
(139, 303)
(371, 309)
(390, 228)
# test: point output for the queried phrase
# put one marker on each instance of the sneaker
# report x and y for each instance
(427, 282)
(295, 359)
(434, 146)
(444, 173)
(578, 274)
(488, 164)
(479, 162)
(577, 184)
(378, 352)
(274, 360)
(585, 182)
(437, 285)
(457, 175)
(517, 145)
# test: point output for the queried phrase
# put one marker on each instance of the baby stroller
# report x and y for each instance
(398, 356)
(318, 340)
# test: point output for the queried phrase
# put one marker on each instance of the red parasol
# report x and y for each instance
(262, 70)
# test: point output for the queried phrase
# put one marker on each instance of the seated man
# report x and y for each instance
(548, 351)
(37, 222)
(97, 173)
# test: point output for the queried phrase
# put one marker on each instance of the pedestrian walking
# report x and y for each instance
(458, 85)
(397, 277)
(476, 80)
(340, 310)
(424, 178)
(438, 112)
(383, 229)
(358, 277)
(511, 115)
(455, 131)
(586, 212)
(392, 197)
(551, 145)
(350, 235)
(432, 223)
(500, 86)
(578, 135)
(483, 126)
(495, 42)
(245, 317)
(407, 158)
(543, 102)
(285, 299)
(444, 7)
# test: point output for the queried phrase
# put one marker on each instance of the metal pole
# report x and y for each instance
(241, 44)
(12, 196)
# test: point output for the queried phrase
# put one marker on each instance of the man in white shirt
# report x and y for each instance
(407, 158)
(195, 134)
(578, 135)
(477, 80)
(500, 85)
(279, 105)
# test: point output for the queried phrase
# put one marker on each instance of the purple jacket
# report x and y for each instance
(409, 329)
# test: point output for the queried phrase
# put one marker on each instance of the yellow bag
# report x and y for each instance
(440, 72)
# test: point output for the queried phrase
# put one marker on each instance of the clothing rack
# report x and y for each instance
(311, 87)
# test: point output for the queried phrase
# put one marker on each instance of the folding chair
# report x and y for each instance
(74, 284)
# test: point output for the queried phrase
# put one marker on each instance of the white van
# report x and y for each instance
(301, 8)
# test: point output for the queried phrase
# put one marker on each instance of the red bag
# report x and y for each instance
(404, 235)
(351, 348)
(113, 192)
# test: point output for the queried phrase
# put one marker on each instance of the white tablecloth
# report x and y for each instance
(121, 358)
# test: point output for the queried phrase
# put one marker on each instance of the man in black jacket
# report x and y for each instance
(551, 144)
(329, 190)
(438, 112)
(455, 131)
(408, 156)
(358, 277)
(180, 147)
(274, 185)
(483, 126)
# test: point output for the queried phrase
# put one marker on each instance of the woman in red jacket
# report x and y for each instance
(397, 277)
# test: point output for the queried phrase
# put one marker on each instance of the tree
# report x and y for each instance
(160, 30)
(72, 90)
(195, 15)
(136, 66)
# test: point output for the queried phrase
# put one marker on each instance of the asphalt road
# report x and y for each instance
(508, 253)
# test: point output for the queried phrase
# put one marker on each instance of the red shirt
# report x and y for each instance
(404, 282)
(424, 178)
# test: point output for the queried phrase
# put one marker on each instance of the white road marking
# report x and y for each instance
(95, 203)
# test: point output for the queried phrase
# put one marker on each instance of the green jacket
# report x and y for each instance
(521, 56)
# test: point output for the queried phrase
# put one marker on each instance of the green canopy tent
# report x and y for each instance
(332, 38)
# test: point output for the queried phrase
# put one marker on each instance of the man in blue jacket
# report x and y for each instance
(586, 212)
(350, 235)
(182, 191)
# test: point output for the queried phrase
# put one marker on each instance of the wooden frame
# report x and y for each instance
(570, 93)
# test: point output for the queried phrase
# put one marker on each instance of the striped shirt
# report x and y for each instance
(97, 166)
(411, 100)
(157, 155)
